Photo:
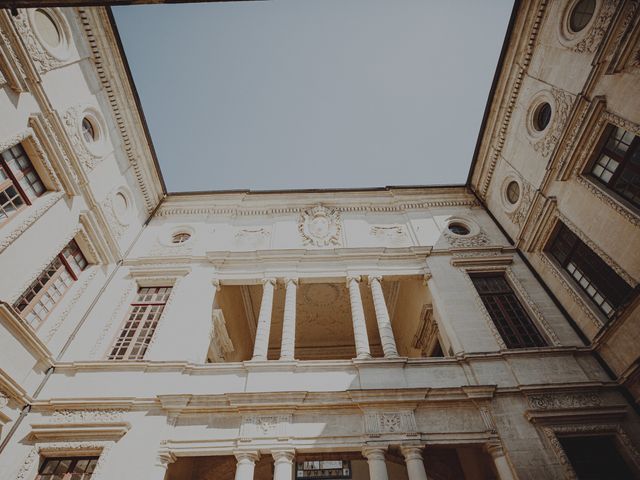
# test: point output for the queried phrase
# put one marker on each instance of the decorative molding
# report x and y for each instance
(501, 126)
(86, 416)
(264, 426)
(598, 31)
(609, 200)
(479, 239)
(392, 234)
(254, 238)
(377, 423)
(487, 419)
(4, 400)
(519, 214)
(37, 210)
(29, 466)
(549, 401)
(41, 57)
(117, 226)
(320, 226)
(79, 292)
(563, 102)
(71, 120)
(116, 316)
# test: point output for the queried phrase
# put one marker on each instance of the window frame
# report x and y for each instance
(117, 344)
(63, 267)
(74, 461)
(544, 340)
(599, 149)
(575, 284)
(13, 179)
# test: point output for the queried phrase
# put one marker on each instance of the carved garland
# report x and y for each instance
(599, 29)
(118, 227)
(480, 239)
(29, 466)
(562, 103)
(519, 215)
(43, 60)
(71, 121)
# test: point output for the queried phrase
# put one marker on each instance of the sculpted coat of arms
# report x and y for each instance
(320, 226)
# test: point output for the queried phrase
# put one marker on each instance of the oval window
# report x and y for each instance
(88, 132)
(581, 15)
(47, 28)
(458, 229)
(180, 237)
(542, 116)
(513, 192)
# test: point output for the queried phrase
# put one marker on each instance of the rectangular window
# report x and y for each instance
(19, 182)
(617, 164)
(141, 323)
(597, 279)
(67, 468)
(514, 325)
(596, 457)
(46, 291)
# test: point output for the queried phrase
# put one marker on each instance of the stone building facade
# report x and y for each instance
(480, 331)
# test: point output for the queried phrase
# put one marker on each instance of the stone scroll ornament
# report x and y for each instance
(320, 226)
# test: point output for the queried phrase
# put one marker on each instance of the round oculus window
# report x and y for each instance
(458, 229)
(581, 15)
(88, 131)
(513, 192)
(120, 205)
(542, 116)
(47, 28)
(180, 237)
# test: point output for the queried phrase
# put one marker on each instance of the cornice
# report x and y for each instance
(112, 74)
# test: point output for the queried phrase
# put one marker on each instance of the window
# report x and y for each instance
(596, 458)
(514, 325)
(180, 237)
(47, 28)
(67, 468)
(513, 192)
(597, 279)
(458, 228)
(46, 291)
(19, 182)
(141, 323)
(581, 15)
(542, 116)
(88, 132)
(617, 165)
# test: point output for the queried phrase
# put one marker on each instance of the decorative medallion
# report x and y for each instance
(320, 226)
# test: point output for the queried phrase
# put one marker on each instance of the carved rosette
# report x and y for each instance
(261, 426)
(320, 226)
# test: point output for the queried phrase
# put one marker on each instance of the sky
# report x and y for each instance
(295, 94)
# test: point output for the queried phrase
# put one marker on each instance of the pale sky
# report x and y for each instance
(284, 94)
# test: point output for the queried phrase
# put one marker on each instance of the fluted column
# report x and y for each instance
(287, 348)
(414, 462)
(246, 464)
(376, 461)
(283, 464)
(357, 316)
(500, 461)
(382, 316)
(261, 344)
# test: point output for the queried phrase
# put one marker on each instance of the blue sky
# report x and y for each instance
(283, 94)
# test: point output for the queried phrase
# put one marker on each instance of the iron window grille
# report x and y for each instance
(509, 316)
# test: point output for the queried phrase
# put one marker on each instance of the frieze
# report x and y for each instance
(86, 416)
(320, 226)
(255, 238)
(480, 239)
(393, 234)
(562, 107)
(377, 423)
(548, 401)
(71, 120)
(260, 426)
(597, 32)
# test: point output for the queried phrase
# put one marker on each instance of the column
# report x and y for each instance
(382, 316)
(162, 464)
(500, 461)
(377, 464)
(283, 464)
(357, 316)
(264, 320)
(414, 462)
(246, 464)
(287, 348)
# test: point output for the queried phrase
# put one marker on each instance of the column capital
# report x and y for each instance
(494, 448)
(374, 278)
(412, 452)
(165, 458)
(287, 280)
(270, 280)
(374, 453)
(357, 278)
(247, 456)
(285, 456)
(216, 284)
